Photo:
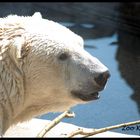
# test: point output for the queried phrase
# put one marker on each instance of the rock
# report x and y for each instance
(34, 126)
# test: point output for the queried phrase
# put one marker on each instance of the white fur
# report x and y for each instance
(33, 81)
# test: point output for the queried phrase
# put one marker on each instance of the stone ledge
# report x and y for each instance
(34, 126)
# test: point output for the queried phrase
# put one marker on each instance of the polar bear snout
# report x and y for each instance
(90, 77)
(90, 90)
(102, 78)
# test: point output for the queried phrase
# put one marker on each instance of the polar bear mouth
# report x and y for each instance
(85, 96)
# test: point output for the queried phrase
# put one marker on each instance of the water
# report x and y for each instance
(116, 104)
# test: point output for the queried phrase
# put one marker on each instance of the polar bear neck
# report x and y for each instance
(11, 76)
(11, 86)
(11, 90)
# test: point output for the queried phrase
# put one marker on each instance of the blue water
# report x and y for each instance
(115, 105)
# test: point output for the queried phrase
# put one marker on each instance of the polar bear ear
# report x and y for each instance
(18, 49)
(37, 15)
(14, 48)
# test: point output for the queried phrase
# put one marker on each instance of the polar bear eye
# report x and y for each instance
(63, 56)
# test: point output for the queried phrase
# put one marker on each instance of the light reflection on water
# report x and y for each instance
(115, 105)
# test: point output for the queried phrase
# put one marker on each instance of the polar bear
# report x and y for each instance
(43, 68)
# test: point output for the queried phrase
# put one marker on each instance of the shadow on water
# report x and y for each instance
(128, 53)
(129, 64)
(97, 23)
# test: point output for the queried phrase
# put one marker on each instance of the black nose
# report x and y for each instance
(101, 79)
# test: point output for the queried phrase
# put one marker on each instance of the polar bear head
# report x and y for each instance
(53, 70)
